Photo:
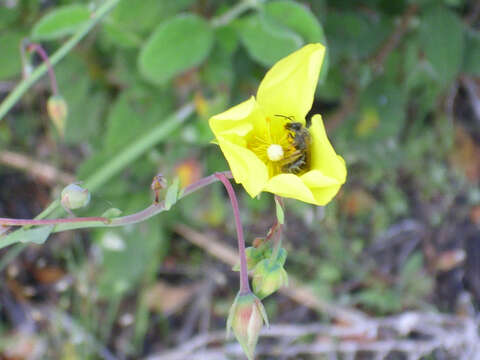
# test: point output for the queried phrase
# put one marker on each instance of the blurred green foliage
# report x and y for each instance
(149, 57)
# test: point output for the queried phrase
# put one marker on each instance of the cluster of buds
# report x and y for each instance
(267, 268)
(269, 276)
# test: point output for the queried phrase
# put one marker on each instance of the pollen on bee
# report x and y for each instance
(275, 152)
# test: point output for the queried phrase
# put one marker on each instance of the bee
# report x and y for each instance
(299, 137)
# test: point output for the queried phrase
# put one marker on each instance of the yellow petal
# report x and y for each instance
(289, 86)
(246, 167)
(238, 120)
(322, 187)
(323, 156)
(290, 186)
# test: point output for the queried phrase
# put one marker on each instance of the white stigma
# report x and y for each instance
(275, 152)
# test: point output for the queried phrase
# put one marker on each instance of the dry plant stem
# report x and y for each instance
(84, 222)
(454, 334)
(44, 172)
(244, 285)
(51, 74)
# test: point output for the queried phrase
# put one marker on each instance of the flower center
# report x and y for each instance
(275, 152)
(273, 145)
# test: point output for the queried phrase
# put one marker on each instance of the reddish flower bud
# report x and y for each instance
(246, 318)
(74, 197)
(57, 109)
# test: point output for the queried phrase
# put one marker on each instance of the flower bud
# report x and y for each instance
(268, 277)
(254, 256)
(74, 197)
(246, 318)
(57, 109)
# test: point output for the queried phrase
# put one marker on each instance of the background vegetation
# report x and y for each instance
(400, 96)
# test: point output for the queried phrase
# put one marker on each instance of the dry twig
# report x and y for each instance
(456, 336)
(44, 172)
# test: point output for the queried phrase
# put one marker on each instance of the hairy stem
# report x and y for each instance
(244, 285)
(23, 86)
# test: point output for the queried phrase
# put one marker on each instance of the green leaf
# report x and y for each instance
(279, 211)
(172, 194)
(471, 61)
(86, 105)
(10, 62)
(129, 254)
(119, 36)
(441, 37)
(296, 17)
(300, 19)
(267, 42)
(60, 22)
(175, 46)
(111, 213)
(36, 235)
(151, 13)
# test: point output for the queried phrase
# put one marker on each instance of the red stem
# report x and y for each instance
(23, 222)
(244, 285)
(43, 54)
(142, 215)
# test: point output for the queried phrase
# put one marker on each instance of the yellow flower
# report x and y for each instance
(264, 154)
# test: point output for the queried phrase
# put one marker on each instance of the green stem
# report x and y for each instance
(234, 12)
(24, 85)
(278, 233)
(88, 222)
(132, 152)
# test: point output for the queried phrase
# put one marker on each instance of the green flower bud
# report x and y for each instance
(254, 255)
(268, 277)
(57, 109)
(74, 197)
(246, 318)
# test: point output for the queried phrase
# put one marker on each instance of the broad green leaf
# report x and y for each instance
(135, 110)
(129, 254)
(10, 62)
(382, 111)
(300, 19)
(111, 213)
(60, 22)
(8, 16)
(36, 235)
(151, 13)
(172, 194)
(117, 34)
(441, 37)
(85, 105)
(175, 46)
(471, 61)
(266, 41)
